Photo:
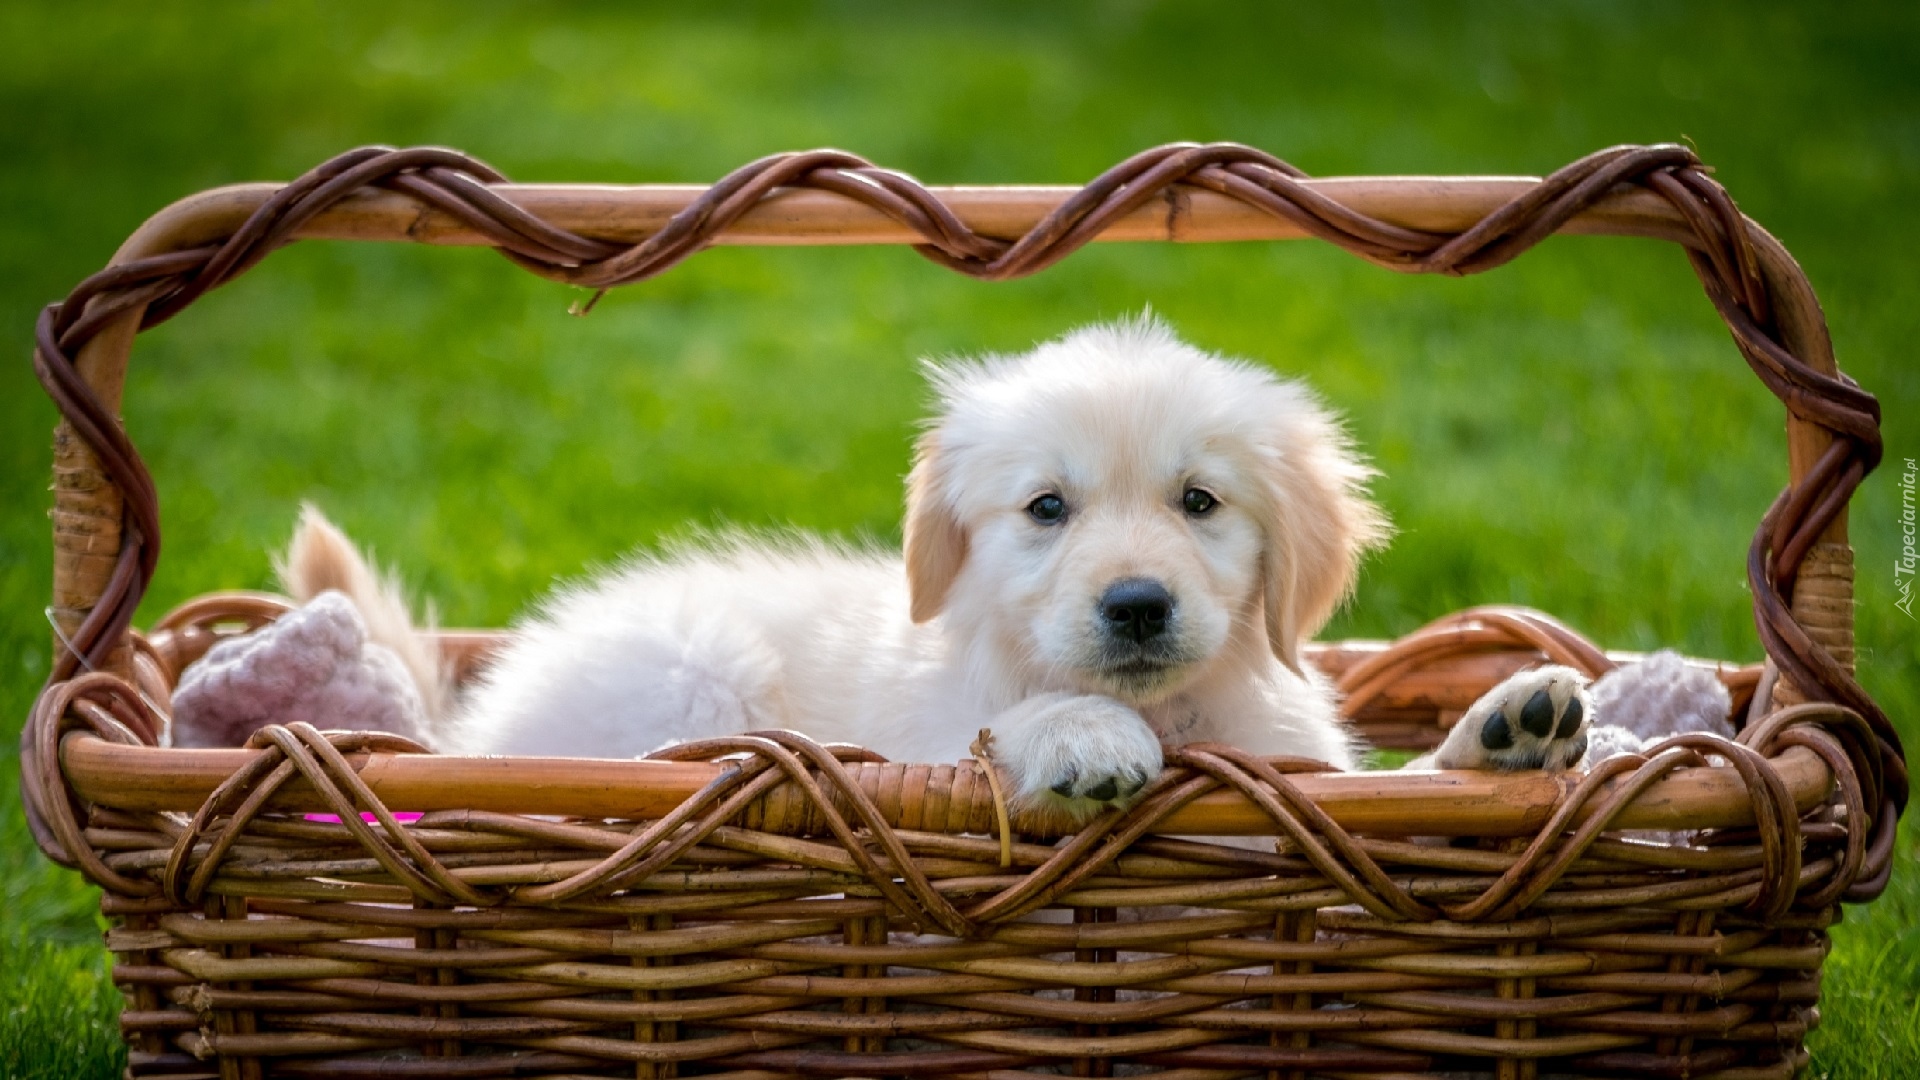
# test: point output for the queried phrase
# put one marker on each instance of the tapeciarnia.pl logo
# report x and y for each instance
(1904, 565)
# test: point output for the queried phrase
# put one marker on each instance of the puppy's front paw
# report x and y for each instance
(1535, 720)
(1075, 753)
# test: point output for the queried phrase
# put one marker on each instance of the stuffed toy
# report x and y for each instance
(313, 664)
(1639, 704)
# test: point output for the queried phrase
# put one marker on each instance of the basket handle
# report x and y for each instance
(106, 523)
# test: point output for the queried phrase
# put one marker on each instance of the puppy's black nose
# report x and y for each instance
(1136, 608)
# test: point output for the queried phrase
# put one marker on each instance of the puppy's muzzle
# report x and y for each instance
(1136, 609)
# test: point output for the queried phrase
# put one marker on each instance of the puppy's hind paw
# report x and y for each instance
(1534, 720)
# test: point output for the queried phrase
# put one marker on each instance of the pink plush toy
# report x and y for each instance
(1640, 704)
(313, 664)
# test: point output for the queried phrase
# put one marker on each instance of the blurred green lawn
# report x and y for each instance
(1574, 432)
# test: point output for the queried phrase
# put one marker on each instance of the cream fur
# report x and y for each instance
(991, 619)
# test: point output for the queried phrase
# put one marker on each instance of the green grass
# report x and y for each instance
(1573, 432)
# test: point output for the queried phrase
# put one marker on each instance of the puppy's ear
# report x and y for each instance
(935, 541)
(1319, 524)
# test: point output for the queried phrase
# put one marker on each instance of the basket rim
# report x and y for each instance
(1393, 803)
(1458, 652)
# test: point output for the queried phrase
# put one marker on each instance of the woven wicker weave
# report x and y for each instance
(764, 906)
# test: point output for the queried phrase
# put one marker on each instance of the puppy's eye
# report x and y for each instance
(1199, 502)
(1047, 509)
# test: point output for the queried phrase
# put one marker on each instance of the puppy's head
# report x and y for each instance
(1117, 511)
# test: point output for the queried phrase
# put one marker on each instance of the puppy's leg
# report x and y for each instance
(1076, 753)
(1535, 719)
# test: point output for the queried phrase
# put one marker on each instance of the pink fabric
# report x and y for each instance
(398, 815)
(313, 664)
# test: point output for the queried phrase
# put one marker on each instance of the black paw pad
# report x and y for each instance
(1495, 734)
(1064, 788)
(1104, 790)
(1537, 714)
(1570, 722)
(1576, 750)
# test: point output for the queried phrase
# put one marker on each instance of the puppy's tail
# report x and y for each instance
(321, 558)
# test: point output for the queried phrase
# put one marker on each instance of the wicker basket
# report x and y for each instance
(764, 906)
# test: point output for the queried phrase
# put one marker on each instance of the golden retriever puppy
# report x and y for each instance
(1114, 542)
